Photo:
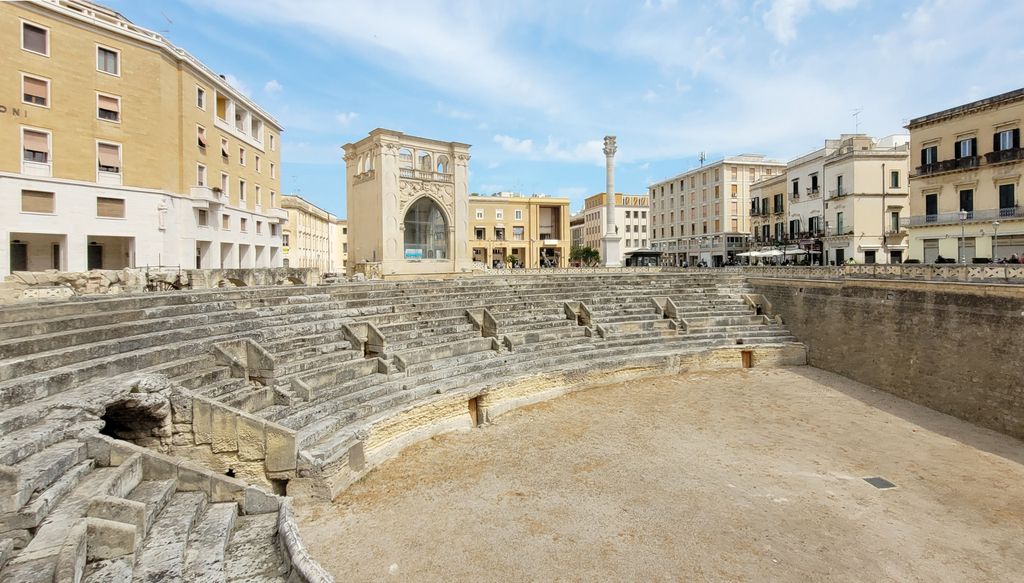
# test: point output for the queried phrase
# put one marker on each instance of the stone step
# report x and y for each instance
(208, 542)
(119, 570)
(38, 507)
(155, 494)
(34, 473)
(19, 444)
(253, 555)
(162, 556)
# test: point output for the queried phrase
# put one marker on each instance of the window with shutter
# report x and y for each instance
(35, 39)
(36, 146)
(224, 149)
(108, 108)
(109, 156)
(33, 201)
(111, 208)
(107, 61)
(35, 91)
(201, 135)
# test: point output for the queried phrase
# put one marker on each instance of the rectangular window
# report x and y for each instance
(201, 98)
(203, 217)
(35, 91)
(108, 157)
(273, 199)
(499, 233)
(517, 233)
(273, 143)
(111, 208)
(796, 187)
(869, 257)
(929, 155)
(519, 215)
(35, 39)
(224, 150)
(931, 207)
(259, 227)
(259, 195)
(967, 200)
(201, 136)
(273, 170)
(1007, 197)
(243, 225)
(284, 239)
(499, 214)
(225, 181)
(258, 165)
(107, 60)
(241, 156)
(965, 148)
(200, 175)
(36, 146)
(225, 222)
(34, 201)
(1006, 140)
(481, 233)
(894, 179)
(894, 221)
(241, 191)
(108, 107)
(479, 214)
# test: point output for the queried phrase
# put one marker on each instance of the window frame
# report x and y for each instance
(119, 107)
(117, 53)
(202, 171)
(124, 206)
(201, 96)
(48, 82)
(21, 202)
(201, 130)
(46, 29)
(242, 155)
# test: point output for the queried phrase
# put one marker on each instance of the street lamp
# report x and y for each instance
(962, 215)
(995, 241)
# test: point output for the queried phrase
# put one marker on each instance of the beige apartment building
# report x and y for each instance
(844, 202)
(964, 194)
(631, 216)
(512, 230)
(313, 237)
(577, 230)
(702, 214)
(124, 150)
(768, 212)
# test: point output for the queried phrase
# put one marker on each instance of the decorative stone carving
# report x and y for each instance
(443, 194)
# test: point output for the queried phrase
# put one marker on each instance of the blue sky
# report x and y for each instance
(534, 85)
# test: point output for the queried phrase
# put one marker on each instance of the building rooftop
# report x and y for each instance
(1008, 97)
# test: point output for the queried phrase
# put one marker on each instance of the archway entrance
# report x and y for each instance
(426, 231)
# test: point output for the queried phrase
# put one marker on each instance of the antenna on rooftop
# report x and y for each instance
(856, 118)
(702, 156)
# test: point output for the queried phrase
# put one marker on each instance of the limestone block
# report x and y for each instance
(226, 489)
(224, 430)
(14, 490)
(251, 438)
(202, 421)
(181, 407)
(108, 539)
(71, 558)
(119, 510)
(194, 479)
(257, 501)
(157, 466)
(281, 448)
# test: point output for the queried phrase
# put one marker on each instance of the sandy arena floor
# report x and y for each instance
(732, 476)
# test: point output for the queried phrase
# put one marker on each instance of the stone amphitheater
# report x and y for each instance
(152, 437)
(165, 436)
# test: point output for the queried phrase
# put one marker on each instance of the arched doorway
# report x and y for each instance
(426, 231)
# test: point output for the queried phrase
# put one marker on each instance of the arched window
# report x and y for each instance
(405, 158)
(426, 231)
(369, 162)
(424, 161)
(442, 164)
(360, 165)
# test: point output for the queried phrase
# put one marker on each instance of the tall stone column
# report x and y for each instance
(610, 241)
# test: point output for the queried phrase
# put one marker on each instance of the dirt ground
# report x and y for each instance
(746, 475)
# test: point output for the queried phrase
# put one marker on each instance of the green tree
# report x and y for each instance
(587, 256)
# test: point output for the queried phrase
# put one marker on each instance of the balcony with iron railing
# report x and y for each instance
(425, 175)
(954, 165)
(953, 218)
(838, 192)
(1005, 156)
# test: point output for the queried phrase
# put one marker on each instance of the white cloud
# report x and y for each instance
(782, 18)
(237, 84)
(514, 145)
(589, 151)
(346, 118)
(272, 86)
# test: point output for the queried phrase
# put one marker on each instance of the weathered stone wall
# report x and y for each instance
(956, 348)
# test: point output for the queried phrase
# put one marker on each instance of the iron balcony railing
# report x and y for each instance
(965, 163)
(1011, 155)
(985, 215)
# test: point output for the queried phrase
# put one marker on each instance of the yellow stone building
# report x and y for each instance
(509, 229)
(313, 237)
(768, 210)
(965, 192)
(630, 216)
(121, 149)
